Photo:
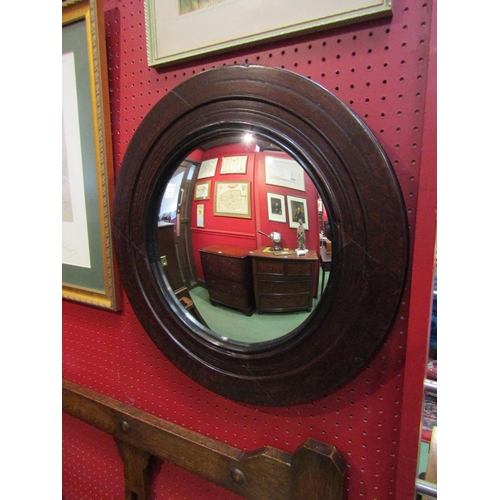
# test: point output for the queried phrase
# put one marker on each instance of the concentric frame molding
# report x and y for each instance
(359, 190)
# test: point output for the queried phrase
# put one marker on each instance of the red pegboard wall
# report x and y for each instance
(379, 69)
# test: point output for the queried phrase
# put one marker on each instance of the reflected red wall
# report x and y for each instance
(244, 232)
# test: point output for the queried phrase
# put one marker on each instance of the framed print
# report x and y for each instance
(89, 275)
(200, 215)
(276, 209)
(217, 25)
(232, 199)
(207, 168)
(285, 173)
(297, 209)
(202, 190)
(234, 165)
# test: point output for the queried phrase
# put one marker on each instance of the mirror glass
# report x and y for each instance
(241, 240)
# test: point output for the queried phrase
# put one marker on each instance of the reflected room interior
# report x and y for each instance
(242, 239)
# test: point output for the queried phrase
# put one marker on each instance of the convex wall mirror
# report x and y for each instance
(217, 183)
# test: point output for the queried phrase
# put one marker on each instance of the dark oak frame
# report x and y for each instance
(359, 190)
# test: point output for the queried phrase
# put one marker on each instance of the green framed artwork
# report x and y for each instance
(88, 270)
(218, 25)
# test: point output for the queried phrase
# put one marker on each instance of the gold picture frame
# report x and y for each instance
(88, 174)
(232, 199)
(202, 190)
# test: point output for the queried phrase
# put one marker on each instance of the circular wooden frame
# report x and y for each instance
(359, 190)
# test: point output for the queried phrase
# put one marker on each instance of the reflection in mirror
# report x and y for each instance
(243, 240)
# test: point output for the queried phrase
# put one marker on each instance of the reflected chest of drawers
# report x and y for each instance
(228, 276)
(284, 283)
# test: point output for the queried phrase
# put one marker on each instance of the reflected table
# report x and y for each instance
(283, 281)
(228, 276)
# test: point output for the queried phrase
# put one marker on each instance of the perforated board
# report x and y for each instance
(378, 68)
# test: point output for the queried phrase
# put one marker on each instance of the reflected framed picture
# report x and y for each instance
(297, 210)
(202, 190)
(234, 165)
(200, 215)
(242, 22)
(207, 168)
(284, 172)
(89, 275)
(232, 199)
(276, 208)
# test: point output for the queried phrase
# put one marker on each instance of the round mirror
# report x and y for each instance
(224, 247)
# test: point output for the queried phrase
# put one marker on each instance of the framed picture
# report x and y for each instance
(89, 275)
(202, 190)
(207, 168)
(232, 199)
(285, 173)
(276, 209)
(297, 209)
(217, 25)
(234, 165)
(200, 215)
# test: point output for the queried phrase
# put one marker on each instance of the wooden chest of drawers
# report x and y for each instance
(228, 276)
(284, 283)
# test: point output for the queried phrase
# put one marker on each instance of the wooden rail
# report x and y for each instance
(314, 472)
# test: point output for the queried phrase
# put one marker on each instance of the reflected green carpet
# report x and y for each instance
(235, 325)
